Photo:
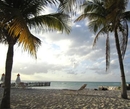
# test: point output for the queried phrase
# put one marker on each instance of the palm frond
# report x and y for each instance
(113, 4)
(17, 3)
(31, 9)
(30, 44)
(96, 24)
(126, 15)
(124, 40)
(102, 31)
(81, 17)
(88, 6)
(70, 6)
(95, 16)
(93, 26)
(107, 52)
(57, 21)
(93, 6)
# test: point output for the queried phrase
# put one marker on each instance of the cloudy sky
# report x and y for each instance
(64, 57)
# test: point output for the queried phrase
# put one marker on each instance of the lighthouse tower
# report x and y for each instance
(2, 78)
(18, 80)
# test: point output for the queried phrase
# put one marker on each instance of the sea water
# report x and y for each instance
(77, 85)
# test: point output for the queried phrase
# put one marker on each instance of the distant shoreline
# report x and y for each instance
(76, 85)
(63, 81)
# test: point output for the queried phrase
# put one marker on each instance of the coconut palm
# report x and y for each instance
(105, 17)
(17, 17)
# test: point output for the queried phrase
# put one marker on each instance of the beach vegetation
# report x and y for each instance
(110, 18)
(17, 17)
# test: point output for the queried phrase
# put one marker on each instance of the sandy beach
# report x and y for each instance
(65, 99)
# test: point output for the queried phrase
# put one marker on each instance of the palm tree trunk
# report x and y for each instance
(123, 84)
(5, 103)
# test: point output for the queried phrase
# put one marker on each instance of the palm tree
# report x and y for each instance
(105, 17)
(16, 19)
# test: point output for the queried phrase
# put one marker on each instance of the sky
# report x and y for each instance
(67, 57)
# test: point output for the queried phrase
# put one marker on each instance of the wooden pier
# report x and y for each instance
(37, 84)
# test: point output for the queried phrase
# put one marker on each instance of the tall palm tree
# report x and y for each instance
(16, 19)
(105, 17)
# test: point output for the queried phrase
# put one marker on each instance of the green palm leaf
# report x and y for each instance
(70, 6)
(57, 21)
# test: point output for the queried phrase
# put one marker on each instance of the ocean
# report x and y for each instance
(77, 85)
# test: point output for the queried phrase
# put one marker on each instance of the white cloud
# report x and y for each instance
(78, 26)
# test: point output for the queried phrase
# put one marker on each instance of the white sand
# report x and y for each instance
(63, 99)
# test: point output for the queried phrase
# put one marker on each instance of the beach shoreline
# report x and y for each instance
(65, 99)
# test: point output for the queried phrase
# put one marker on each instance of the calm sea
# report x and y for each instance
(77, 85)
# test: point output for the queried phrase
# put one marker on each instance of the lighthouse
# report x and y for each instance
(3, 78)
(18, 80)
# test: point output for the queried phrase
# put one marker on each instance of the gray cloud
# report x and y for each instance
(31, 68)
